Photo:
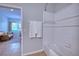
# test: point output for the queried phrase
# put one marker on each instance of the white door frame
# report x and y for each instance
(14, 6)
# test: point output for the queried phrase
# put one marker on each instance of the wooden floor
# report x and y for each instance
(11, 47)
(39, 54)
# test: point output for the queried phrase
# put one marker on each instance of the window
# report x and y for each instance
(15, 27)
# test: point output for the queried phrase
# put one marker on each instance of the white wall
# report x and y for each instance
(58, 39)
(0, 23)
(67, 40)
(30, 12)
(62, 36)
(3, 24)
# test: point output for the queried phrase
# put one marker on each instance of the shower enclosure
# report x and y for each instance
(60, 31)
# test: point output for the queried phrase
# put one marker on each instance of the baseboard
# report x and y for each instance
(26, 54)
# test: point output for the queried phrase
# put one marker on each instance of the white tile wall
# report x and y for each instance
(64, 39)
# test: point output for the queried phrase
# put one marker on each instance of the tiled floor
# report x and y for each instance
(11, 47)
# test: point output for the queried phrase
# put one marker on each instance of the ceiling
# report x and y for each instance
(51, 7)
(55, 7)
(10, 12)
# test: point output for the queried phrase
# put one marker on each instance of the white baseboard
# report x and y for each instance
(26, 54)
